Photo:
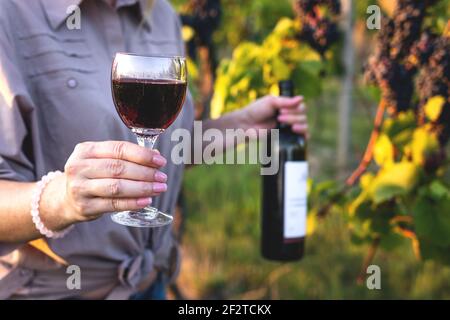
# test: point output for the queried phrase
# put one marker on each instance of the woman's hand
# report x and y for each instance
(107, 176)
(262, 113)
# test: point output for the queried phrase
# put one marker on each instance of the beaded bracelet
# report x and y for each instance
(35, 199)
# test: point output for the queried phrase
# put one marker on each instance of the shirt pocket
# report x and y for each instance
(55, 63)
(64, 81)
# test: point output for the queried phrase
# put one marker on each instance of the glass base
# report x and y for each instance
(147, 217)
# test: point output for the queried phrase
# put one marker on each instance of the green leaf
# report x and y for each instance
(383, 151)
(397, 179)
(432, 219)
(308, 84)
(285, 28)
(366, 179)
(433, 108)
(360, 207)
(386, 192)
(394, 126)
(280, 69)
(431, 251)
(312, 66)
(438, 190)
(424, 143)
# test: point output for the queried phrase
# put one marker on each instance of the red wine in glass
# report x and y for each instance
(143, 103)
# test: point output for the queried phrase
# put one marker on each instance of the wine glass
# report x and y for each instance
(148, 92)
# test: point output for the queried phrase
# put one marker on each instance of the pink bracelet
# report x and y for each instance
(35, 199)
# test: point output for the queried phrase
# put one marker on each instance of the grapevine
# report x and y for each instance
(407, 192)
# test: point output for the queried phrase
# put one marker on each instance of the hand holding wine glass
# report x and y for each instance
(109, 176)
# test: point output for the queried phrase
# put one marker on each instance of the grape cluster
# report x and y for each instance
(395, 79)
(319, 30)
(422, 49)
(402, 49)
(434, 80)
(408, 20)
(205, 19)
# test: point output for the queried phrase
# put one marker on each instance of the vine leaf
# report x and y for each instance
(396, 180)
(433, 108)
(383, 152)
(424, 143)
(400, 129)
(432, 216)
(438, 190)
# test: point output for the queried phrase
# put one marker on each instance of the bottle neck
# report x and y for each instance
(283, 127)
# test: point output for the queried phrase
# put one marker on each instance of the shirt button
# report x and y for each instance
(72, 83)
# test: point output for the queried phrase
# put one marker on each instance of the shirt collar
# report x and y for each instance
(56, 11)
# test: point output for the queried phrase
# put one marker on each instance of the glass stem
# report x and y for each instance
(147, 137)
(147, 141)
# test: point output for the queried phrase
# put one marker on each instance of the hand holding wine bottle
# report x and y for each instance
(284, 195)
(268, 111)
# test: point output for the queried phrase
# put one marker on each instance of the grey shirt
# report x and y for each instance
(54, 93)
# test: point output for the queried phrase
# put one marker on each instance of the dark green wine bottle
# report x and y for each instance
(284, 194)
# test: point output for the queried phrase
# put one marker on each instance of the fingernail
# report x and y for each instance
(299, 128)
(160, 176)
(159, 187)
(144, 202)
(159, 160)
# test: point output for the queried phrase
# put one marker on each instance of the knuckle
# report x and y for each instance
(119, 149)
(115, 188)
(76, 188)
(147, 188)
(76, 167)
(82, 206)
(116, 168)
(115, 204)
(78, 148)
(84, 148)
(71, 168)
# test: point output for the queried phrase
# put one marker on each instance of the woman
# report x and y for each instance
(56, 113)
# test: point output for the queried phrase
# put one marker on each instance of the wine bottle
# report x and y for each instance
(284, 194)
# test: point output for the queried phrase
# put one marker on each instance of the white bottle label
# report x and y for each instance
(295, 199)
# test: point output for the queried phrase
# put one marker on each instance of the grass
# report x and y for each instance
(221, 243)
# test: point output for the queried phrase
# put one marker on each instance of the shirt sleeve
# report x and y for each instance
(15, 109)
(15, 114)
